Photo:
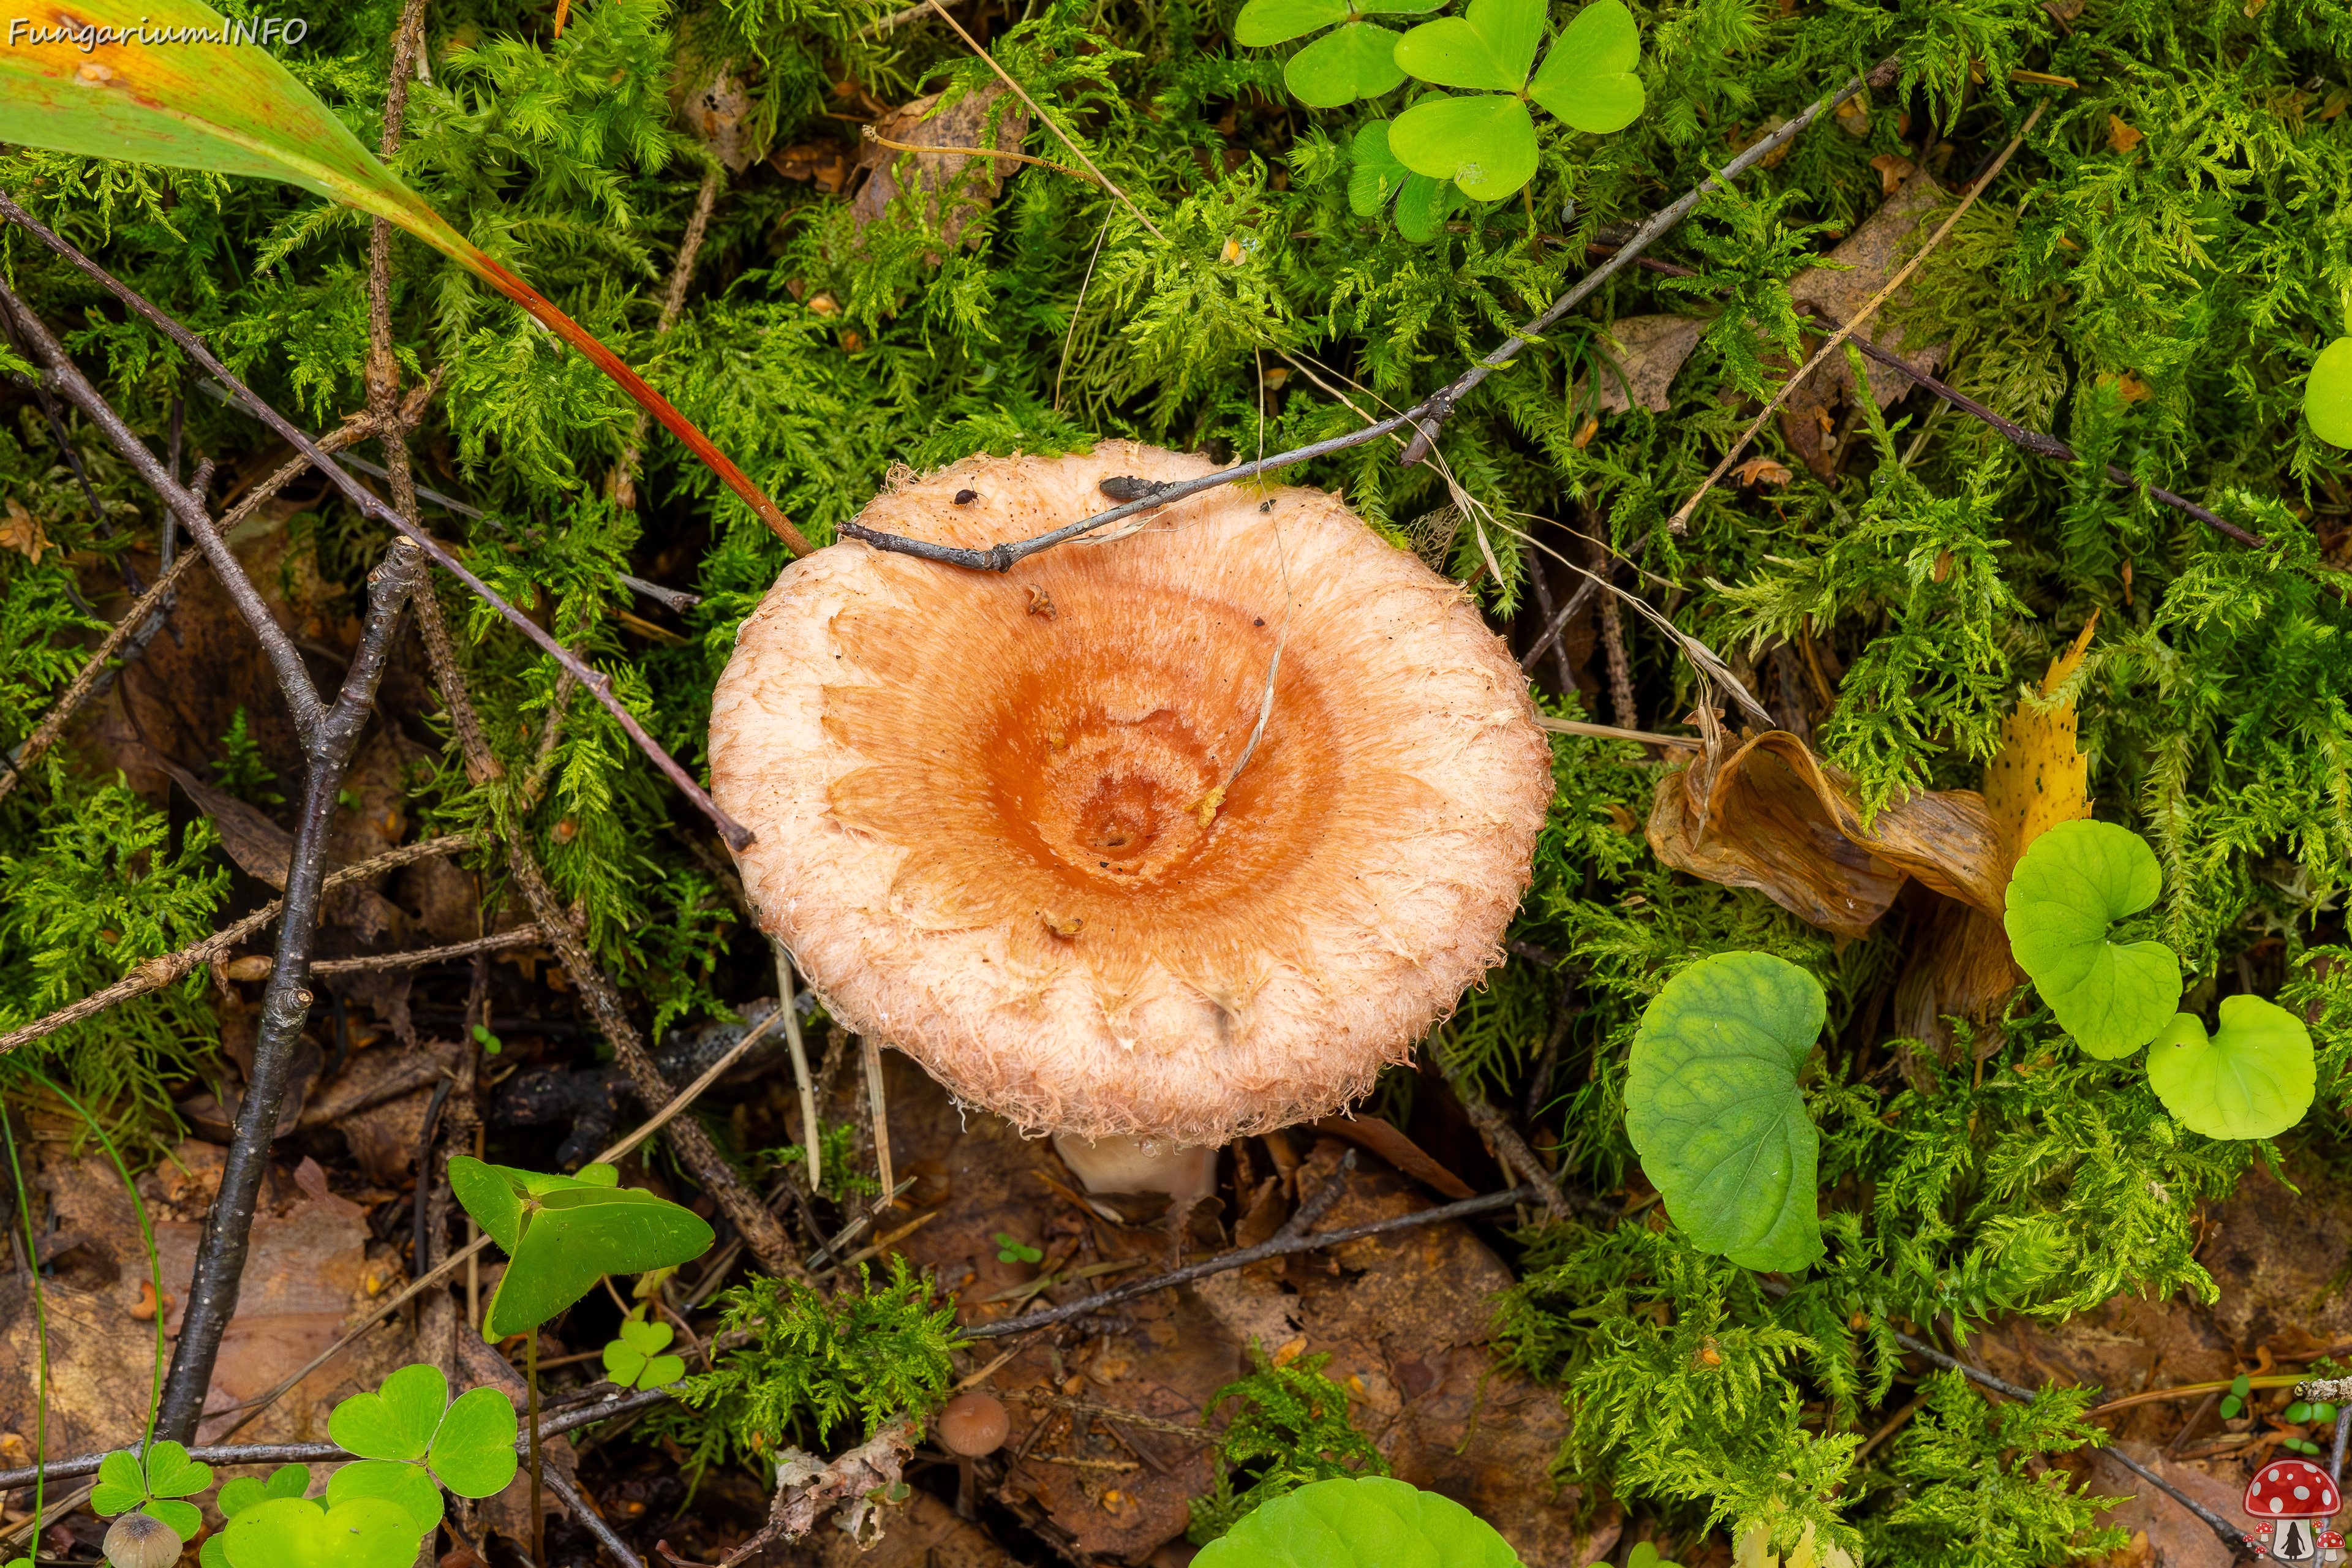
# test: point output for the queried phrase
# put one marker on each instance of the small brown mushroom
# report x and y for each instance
(974, 1424)
(1046, 858)
(141, 1540)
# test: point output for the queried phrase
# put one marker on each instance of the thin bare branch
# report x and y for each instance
(158, 973)
(521, 936)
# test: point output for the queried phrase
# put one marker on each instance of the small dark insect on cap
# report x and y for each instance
(1125, 487)
(1267, 505)
(1259, 622)
(965, 497)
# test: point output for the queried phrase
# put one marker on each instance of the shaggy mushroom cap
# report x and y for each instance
(988, 813)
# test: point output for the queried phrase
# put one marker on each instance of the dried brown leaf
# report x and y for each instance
(1641, 355)
(955, 189)
(2038, 779)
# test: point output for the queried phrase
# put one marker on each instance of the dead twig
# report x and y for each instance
(158, 973)
(521, 936)
(1106, 1411)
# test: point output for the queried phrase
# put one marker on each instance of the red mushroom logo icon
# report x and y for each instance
(2291, 1502)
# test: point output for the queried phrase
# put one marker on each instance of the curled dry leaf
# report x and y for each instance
(860, 1481)
(1775, 818)
(1762, 471)
(20, 530)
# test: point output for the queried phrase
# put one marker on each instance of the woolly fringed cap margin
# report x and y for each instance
(986, 808)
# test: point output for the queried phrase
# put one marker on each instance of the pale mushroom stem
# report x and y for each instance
(1129, 1166)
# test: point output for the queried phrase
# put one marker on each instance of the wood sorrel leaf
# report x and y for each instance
(1712, 1105)
(1265, 22)
(2255, 1078)
(1588, 78)
(289, 1533)
(1357, 61)
(1424, 205)
(173, 82)
(398, 1420)
(473, 1452)
(1491, 45)
(2328, 396)
(1363, 1521)
(2077, 879)
(407, 1486)
(1484, 142)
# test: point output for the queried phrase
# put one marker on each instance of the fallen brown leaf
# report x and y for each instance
(2121, 137)
(1762, 471)
(1775, 818)
(20, 530)
(1640, 357)
(1893, 168)
(1869, 255)
(974, 182)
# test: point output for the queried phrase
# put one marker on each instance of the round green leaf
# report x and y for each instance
(2070, 885)
(650, 1338)
(2254, 1079)
(1424, 205)
(288, 1480)
(2328, 396)
(1588, 78)
(1265, 22)
(398, 1420)
(237, 1494)
(1711, 1103)
(212, 1553)
(1491, 45)
(662, 1371)
(289, 1533)
(406, 1485)
(474, 1453)
(1358, 60)
(1485, 142)
(1365, 1521)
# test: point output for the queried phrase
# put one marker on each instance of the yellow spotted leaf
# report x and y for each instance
(2039, 780)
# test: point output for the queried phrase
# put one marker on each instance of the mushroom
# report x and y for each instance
(141, 1541)
(2290, 1497)
(1157, 839)
(971, 1427)
(974, 1424)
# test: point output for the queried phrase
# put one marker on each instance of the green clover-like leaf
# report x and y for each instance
(662, 1371)
(562, 1232)
(2327, 395)
(1424, 205)
(1484, 142)
(1490, 45)
(623, 1362)
(398, 1420)
(1712, 1106)
(290, 1532)
(1374, 175)
(473, 1452)
(2069, 886)
(1356, 1522)
(650, 1338)
(1588, 78)
(171, 1473)
(406, 1485)
(212, 1553)
(1265, 22)
(1357, 59)
(184, 1519)
(2255, 1078)
(121, 1484)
